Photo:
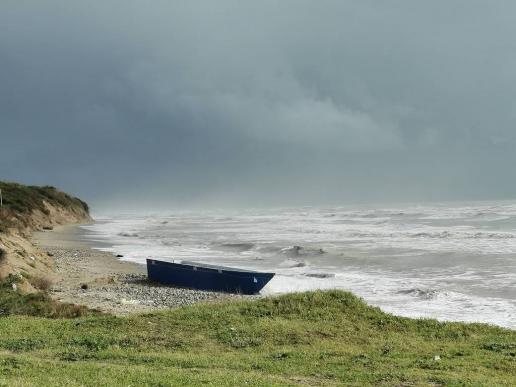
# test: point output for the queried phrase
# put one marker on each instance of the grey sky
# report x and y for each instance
(260, 103)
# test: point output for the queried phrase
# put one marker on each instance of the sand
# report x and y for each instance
(101, 281)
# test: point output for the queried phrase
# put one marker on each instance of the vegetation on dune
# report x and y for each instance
(25, 209)
(40, 282)
(40, 304)
(19, 201)
(25, 199)
(314, 338)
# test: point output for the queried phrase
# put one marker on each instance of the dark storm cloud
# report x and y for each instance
(270, 102)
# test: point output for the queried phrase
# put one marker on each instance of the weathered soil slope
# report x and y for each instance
(27, 209)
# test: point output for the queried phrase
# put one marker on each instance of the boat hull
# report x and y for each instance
(197, 276)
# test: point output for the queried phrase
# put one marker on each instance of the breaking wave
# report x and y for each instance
(292, 263)
(426, 294)
(320, 275)
(442, 261)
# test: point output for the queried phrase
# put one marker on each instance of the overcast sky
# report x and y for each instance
(188, 103)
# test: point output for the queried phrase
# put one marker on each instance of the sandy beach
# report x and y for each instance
(101, 281)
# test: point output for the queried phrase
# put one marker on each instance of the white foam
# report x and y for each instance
(461, 254)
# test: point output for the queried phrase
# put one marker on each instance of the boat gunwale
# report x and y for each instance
(193, 266)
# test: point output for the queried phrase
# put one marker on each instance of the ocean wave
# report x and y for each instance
(238, 246)
(128, 234)
(461, 251)
(437, 235)
(297, 250)
(291, 263)
(320, 275)
(426, 294)
(293, 250)
(444, 234)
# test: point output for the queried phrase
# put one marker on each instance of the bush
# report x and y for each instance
(41, 283)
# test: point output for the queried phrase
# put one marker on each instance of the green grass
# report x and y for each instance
(35, 304)
(19, 201)
(314, 338)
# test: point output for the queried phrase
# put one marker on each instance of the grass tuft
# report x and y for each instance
(35, 304)
(41, 283)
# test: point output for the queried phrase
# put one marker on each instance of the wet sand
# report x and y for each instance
(101, 281)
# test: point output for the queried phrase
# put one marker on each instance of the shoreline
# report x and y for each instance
(120, 287)
(99, 280)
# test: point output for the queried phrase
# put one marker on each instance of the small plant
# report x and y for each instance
(10, 280)
(41, 283)
(66, 310)
(21, 345)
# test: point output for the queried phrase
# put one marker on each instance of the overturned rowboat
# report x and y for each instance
(207, 277)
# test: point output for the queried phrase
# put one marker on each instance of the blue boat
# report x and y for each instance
(207, 277)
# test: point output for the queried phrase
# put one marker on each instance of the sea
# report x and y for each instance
(446, 261)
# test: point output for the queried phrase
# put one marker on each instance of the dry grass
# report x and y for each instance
(66, 310)
(36, 304)
(41, 282)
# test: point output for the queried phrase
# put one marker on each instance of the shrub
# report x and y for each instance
(66, 310)
(41, 283)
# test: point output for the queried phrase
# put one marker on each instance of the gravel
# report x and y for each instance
(101, 281)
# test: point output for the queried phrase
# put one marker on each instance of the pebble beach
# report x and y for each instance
(102, 281)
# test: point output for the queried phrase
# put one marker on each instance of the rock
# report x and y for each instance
(50, 254)
(15, 287)
(123, 301)
(437, 358)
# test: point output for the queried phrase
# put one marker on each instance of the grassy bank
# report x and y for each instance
(14, 302)
(315, 338)
(26, 209)
(21, 201)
